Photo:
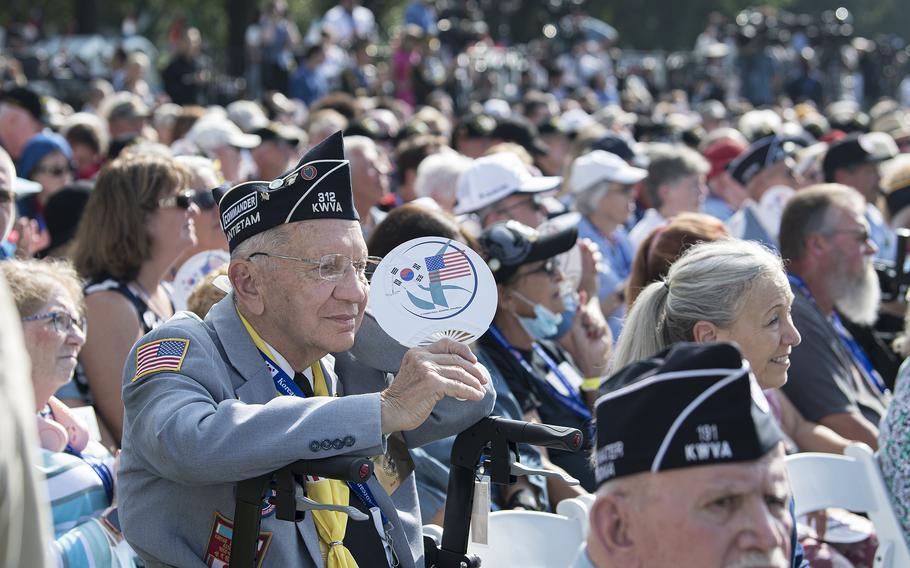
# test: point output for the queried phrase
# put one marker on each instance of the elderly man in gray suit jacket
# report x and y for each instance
(202, 404)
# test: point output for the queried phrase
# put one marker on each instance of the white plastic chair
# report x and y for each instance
(853, 482)
(528, 539)
(577, 508)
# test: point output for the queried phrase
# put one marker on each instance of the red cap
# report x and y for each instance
(721, 153)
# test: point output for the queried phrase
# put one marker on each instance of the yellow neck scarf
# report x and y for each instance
(330, 525)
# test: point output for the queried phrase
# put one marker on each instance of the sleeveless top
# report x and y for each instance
(78, 388)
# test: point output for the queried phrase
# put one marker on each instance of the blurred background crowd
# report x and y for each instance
(646, 132)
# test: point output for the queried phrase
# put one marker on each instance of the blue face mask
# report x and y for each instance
(568, 316)
(544, 324)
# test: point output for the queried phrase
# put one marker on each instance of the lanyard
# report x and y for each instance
(860, 359)
(573, 402)
(287, 387)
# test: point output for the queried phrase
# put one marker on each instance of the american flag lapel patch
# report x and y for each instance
(160, 355)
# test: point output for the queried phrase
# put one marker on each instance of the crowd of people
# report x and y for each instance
(192, 286)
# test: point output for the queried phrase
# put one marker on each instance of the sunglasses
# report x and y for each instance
(531, 202)
(183, 200)
(550, 267)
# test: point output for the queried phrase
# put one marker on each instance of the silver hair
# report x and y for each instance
(266, 241)
(670, 162)
(586, 201)
(358, 145)
(438, 173)
(708, 283)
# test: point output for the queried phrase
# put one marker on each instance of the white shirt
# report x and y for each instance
(286, 367)
(650, 221)
(345, 25)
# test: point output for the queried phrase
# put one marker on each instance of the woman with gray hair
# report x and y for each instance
(727, 290)
(603, 186)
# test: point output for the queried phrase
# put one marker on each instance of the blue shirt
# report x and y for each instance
(618, 252)
(717, 207)
(308, 85)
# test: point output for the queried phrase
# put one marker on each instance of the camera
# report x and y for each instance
(893, 277)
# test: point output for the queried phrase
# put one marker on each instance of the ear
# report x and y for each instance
(610, 535)
(504, 298)
(246, 287)
(704, 332)
(816, 245)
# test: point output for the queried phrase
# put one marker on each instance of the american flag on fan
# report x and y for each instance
(161, 355)
(447, 266)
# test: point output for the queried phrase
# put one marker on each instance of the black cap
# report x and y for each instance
(507, 245)
(761, 154)
(27, 99)
(278, 131)
(614, 144)
(476, 125)
(690, 405)
(519, 130)
(858, 149)
(319, 187)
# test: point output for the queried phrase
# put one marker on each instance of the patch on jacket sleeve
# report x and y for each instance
(161, 355)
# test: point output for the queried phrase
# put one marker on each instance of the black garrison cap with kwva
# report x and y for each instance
(319, 187)
(691, 405)
(761, 154)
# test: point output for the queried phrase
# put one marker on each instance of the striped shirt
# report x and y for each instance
(78, 498)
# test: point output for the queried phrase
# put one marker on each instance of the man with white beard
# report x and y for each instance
(825, 239)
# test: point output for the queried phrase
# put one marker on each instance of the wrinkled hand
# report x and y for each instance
(445, 368)
(591, 259)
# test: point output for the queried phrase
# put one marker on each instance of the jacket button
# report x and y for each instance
(326, 444)
(338, 443)
(314, 446)
(349, 441)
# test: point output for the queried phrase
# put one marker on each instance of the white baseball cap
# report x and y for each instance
(211, 133)
(248, 115)
(497, 176)
(599, 165)
(23, 187)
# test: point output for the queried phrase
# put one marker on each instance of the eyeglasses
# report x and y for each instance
(183, 200)
(550, 267)
(862, 235)
(333, 267)
(63, 322)
(531, 202)
(56, 171)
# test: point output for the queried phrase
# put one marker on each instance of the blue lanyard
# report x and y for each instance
(573, 402)
(364, 493)
(288, 387)
(860, 359)
(285, 384)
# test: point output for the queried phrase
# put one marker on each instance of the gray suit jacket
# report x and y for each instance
(190, 435)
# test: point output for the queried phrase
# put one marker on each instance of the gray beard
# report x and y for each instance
(858, 298)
